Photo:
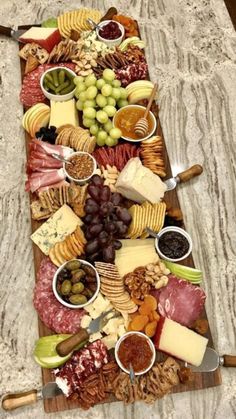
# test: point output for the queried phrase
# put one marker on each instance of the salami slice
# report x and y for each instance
(180, 301)
(53, 314)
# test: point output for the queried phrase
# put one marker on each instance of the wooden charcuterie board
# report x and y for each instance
(201, 381)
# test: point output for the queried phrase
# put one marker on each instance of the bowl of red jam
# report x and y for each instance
(110, 32)
(136, 349)
(173, 244)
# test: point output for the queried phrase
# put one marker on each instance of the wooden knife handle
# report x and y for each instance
(109, 14)
(5, 31)
(190, 173)
(229, 360)
(68, 345)
(13, 401)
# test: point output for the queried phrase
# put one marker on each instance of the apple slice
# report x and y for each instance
(185, 272)
(40, 120)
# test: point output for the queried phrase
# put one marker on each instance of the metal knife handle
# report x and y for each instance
(15, 400)
(228, 360)
(68, 345)
(4, 30)
(190, 173)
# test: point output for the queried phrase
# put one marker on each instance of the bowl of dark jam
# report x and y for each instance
(173, 244)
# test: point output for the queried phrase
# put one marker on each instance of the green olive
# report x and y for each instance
(73, 264)
(77, 288)
(66, 287)
(78, 275)
(78, 299)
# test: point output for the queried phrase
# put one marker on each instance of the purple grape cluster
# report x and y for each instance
(105, 222)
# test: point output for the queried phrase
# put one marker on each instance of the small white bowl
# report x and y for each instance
(51, 96)
(111, 42)
(58, 297)
(150, 344)
(141, 139)
(80, 181)
(178, 230)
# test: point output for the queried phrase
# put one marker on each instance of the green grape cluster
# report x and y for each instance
(98, 99)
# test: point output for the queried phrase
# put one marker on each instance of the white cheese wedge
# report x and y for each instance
(63, 113)
(56, 228)
(138, 183)
(36, 32)
(180, 342)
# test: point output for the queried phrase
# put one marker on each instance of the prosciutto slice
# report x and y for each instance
(36, 181)
(180, 301)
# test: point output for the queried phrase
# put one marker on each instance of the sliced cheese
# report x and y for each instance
(63, 113)
(179, 341)
(140, 184)
(134, 253)
(46, 37)
(56, 228)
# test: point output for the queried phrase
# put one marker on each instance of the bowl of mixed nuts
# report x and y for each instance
(76, 283)
(81, 167)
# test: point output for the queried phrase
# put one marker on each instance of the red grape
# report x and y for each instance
(117, 244)
(94, 192)
(121, 228)
(88, 218)
(123, 215)
(110, 227)
(95, 229)
(105, 193)
(91, 209)
(103, 238)
(91, 247)
(116, 198)
(106, 209)
(96, 180)
(108, 254)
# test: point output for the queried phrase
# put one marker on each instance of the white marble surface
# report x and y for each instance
(191, 53)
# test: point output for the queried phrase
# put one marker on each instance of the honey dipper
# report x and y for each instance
(141, 126)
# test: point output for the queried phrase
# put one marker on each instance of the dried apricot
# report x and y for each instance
(139, 322)
(145, 309)
(155, 316)
(150, 329)
(136, 301)
(151, 301)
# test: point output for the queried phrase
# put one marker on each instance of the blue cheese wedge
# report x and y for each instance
(140, 184)
(56, 228)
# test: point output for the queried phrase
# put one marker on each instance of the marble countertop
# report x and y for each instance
(191, 53)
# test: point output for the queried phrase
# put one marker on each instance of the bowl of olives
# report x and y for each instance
(76, 283)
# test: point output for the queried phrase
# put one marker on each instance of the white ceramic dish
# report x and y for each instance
(141, 139)
(64, 303)
(57, 98)
(178, 230)
(111, 42)
(80, 181)
(150, 344)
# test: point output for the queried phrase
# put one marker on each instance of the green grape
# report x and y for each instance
(110, 142)
(100, 83)
(106, 90)
(108, 125)
(115, 133)
(102, 135)
(89, 113)
(80, 105)
(123, 93)
(83, 96)
(79, 88)
(90, 104)
(94, 129)
(108, 74)
(110, 110)
(91, 92)
(100, 142)
(90, 80)
(122, 102)
(102, 117)
(101, 100)
(78, 80)
(87, 122)
(116, 83)
(115, 93)
(111, 101)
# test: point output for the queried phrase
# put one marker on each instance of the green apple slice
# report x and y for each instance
(190, 274)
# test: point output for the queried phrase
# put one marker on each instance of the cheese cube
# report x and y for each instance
(110, 341)
(138, 183)
(180, 342)
(63, 113)
(46, 37)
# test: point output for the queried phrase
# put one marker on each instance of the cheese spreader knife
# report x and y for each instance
(182, 177)
(15, 400)
(212, 360)
(12, 33)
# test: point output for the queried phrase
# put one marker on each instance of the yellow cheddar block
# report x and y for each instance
(63, 113)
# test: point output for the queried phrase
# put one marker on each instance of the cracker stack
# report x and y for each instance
(70, 248)
(76, 20)
(146, 215)
(112, 286)
(76, 137)
(152, 155)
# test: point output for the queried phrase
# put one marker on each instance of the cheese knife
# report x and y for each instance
(15, 400)
(12, 33)
(182, 177)
(212, 360)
